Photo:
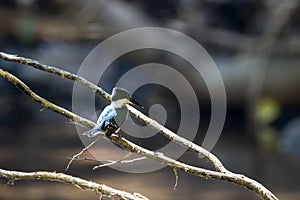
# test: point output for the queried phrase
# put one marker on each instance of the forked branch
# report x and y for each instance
(220, 174)
(99, 91)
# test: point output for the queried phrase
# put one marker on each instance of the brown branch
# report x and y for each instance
(81, 152)
(179, 140)
(105, 163)
(220, 174)
(28, 92)
(56, 71)
(228, 176)
(124, 160)
(176, 178)
(75, 181)
(99, 91)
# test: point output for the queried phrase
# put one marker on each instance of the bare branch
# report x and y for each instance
(220, 174)
(110, 162)
(28, 92)
(176, 177)
(148, 121)
(56, 71)
(75, 181)
(81, 152)
(125, 160)
(179, 140)
(207, 174)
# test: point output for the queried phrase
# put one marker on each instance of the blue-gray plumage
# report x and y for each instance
(113, 115)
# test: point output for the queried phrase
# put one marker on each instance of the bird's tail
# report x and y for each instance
(92, 132)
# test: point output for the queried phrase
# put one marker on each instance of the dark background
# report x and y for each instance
(255, 44)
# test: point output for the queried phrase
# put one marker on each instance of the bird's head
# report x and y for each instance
(120, 97)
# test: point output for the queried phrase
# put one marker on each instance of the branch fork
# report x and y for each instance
(220, 173)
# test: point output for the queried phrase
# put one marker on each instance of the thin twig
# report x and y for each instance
(125, 160)
(112, 162)
(81, 152)
(106, 163)
(75, 181)
(176, 178)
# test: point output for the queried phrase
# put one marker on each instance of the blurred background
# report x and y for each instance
(255, 44)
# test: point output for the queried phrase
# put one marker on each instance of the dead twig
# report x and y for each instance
(81, 152)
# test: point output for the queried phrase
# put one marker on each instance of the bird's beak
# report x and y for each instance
(135, 103)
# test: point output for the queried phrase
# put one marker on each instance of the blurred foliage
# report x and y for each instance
(267, 110)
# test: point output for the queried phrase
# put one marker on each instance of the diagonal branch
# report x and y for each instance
(208, 174)
(13, 175)
(28, 92)
(99, 91)
(75, 181)
(104, 163)
(56, 71)
(179, 140)
(122, 161)
(81, 152)
(228, 176)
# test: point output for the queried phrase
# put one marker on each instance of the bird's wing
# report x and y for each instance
(93, 132)
(104, 119)
(107, 115)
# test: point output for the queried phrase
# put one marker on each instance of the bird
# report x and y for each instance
(113, 115)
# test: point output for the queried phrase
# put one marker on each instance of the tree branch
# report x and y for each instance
(99, 91)
(54, 70)
(105, 163)
(75, 181)
(81, 152)
(238, 179)
(28, 92)
(208, 174)
(179, 140)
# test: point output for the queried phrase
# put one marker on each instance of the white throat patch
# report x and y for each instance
(119, 103)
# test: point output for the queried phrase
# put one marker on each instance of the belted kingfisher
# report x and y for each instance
(113, 115)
